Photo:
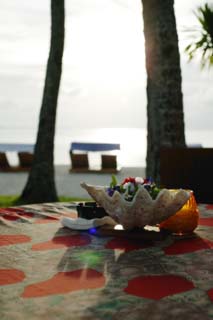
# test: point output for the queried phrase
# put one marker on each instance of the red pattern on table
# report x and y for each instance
(14, 214)
(65, 282)
(206, 222)
(158, 286)
(188, 245)
(125, 244)
(10, 217)
(63, 242)
(9, 239)
(46, 220)
(209, 206)
(16, 210)
(10, 276)
(50, 219)
(210, 294)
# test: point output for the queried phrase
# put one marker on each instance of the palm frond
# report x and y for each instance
(204, 44)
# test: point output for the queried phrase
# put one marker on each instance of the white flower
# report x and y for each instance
(139, 180)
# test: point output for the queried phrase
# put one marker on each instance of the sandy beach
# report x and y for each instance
(67, 184)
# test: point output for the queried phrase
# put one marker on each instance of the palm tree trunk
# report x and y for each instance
(40, 186)
(164, 94)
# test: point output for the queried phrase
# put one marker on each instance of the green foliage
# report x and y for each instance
(70, 199)
(113, 181)
(9, 201)
(154, 192)
(204, 42)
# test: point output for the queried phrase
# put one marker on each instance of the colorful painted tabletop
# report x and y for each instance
(51, 272)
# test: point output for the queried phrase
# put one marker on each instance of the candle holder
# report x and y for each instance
(185, 220)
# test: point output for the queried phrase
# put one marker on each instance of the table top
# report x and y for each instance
(49, 272)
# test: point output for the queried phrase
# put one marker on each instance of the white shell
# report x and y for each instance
(142, 210)
(85, 224)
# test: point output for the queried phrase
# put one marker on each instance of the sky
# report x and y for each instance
(104, 79)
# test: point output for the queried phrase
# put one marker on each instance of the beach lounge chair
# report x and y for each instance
(4, 164)
(79, 156)
(24, 153)
(108, 163)
(25, 160)
(188, 168)
(79, 162)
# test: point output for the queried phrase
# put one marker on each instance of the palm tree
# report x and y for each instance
(40, 186)
(164, 94)
(204, 35)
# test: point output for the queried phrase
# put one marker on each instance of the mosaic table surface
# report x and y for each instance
(51, 272)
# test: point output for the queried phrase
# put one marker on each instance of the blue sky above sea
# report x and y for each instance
(104, 79)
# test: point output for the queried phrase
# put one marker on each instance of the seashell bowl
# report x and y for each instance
(142, 210)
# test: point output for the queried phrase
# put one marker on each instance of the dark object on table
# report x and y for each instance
(90, 210)
(188, 168)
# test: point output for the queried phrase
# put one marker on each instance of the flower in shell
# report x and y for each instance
(137, 202)
(130, 185)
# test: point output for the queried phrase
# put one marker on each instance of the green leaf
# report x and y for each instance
(204, 45)
(113, 181)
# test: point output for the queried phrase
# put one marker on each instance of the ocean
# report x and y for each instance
(132, 141)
